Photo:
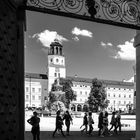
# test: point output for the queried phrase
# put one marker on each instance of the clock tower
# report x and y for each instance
(56, 63)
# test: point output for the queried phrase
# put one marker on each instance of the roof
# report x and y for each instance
(81, 80)
(36, 76)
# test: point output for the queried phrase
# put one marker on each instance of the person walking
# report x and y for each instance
(34, 121)
(113, 123)
(68, 119)
(105, 125)
(59, 123)
(118, 120)
(90, 122)
(85, 123)
(100, 123)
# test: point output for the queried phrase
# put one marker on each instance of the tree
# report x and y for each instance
(69, 95)
(97, 96)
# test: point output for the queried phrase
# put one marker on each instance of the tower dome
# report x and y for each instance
(55, 48)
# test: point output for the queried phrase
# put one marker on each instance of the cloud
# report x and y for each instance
(76, 38)
(126, 51)
(77, 31)
(130, 80)
(46, 37)
(106, 44)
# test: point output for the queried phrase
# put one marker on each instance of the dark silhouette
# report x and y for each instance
(91, 8)
(34, 121)
(105, 125)
(67, 117)
(90, 122)
(59, 123)
(113, 123)
(85, 123)
(100, 123)
(118, 120)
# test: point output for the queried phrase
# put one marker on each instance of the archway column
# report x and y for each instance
(137, 46)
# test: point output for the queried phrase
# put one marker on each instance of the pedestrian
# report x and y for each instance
(105, 125)
(100, 123)
(90, 123)
(58, 124)
(85, 123)
(34, 121)
(118, 120)
(68, 119)
(113, 122)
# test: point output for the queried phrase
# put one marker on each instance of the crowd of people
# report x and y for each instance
(87, 125)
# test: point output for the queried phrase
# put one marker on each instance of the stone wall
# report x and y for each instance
(11, 72)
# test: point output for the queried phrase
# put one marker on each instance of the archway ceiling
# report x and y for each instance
(125, 13)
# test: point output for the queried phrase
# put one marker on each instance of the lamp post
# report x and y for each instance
(30, 91)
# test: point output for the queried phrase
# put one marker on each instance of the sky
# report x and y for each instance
(91, 50)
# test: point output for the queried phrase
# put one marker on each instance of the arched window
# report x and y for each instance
(79, 107)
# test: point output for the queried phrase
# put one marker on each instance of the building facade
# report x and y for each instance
(35, 89)
(37, 86)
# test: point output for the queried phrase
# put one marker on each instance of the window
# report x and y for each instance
(85, 92)
(55, 74)
(119, 95)
(57, 60)
(27, 89)
(119, 102)
(81, 92)
(114, 95)
(124, 96)
(124, 102)
(33, 90)
(80, 99)
(33, 97)
(27, 97)
(114, 101)
(39, 90)
(129, 96)
(108, 94)
(51, 60)
(39, 97)
(58, 74)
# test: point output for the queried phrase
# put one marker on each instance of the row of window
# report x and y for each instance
(109, 94)
(57, 60)
(57, 74)
(33, 105)
(27, 89)
(33, 97)
(120, 96)
(74, 85)
(119, 88)
(121, 102)
(81, 93)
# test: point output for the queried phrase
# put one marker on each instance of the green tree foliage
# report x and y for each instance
(97, 96)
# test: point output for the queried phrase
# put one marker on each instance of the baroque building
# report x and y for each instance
(37, 86)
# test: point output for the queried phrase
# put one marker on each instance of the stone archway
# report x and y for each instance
(12, 70)
(85, 108)
(79, 107)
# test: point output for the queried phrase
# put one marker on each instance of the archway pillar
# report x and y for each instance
(137, 46)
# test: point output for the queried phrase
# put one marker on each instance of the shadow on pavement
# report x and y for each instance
(76, 135)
